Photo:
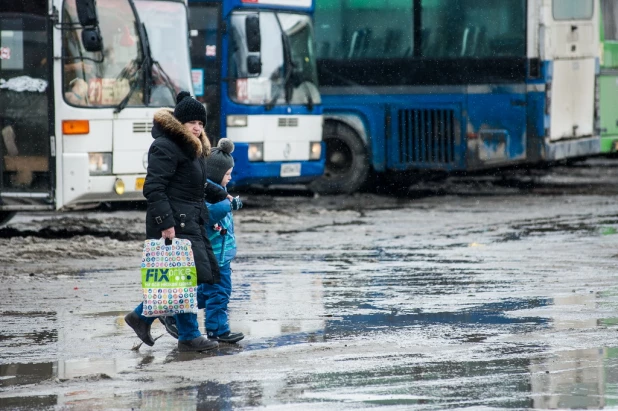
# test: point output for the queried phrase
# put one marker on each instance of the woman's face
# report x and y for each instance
(195, 127)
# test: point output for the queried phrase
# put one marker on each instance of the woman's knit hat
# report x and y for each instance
(189, 109)
(220, 160)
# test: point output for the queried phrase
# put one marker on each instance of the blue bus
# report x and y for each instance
(449, 85)
(254, 68)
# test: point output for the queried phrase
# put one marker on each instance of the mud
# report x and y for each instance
(464, 298)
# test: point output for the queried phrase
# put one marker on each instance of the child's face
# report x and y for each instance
(227, 177)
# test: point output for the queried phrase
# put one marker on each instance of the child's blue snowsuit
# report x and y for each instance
(220, 232)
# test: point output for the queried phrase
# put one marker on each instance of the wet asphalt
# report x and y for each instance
(474, 292)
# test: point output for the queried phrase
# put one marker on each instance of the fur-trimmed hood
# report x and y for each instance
(165, 121)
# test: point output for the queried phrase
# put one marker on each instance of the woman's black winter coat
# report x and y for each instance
(176, 187)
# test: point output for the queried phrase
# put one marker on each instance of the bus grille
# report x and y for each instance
(288, 122)
(426, 136)
(142, 127)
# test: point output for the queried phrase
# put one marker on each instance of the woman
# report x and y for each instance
(175, 190)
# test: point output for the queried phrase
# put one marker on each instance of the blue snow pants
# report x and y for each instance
(215, 299)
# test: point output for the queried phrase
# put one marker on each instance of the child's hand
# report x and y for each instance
(236, 204)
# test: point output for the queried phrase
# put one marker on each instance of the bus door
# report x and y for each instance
(608, 80)
(572, 49)
(204, 21)
(26, 114)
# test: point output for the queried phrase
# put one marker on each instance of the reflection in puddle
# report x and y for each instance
(22, 374)
(490, 314)
(578, 379)
(29, 403)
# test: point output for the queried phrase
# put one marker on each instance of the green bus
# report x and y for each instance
(608, 79)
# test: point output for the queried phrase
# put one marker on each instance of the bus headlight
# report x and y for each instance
(100, 164)
(315, 150)
(237, 121)
(119, 186)
(256, 152)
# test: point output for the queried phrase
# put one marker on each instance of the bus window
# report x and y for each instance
(375, 29)
(24, 91)
(469, 28)
(361, 29)
(107, 76)
(573, 9)
(610, 19)
(280, 81)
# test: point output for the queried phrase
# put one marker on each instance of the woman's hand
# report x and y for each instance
(169, 233)
(229, 197)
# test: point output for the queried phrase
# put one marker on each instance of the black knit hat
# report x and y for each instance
(220, 160)
(189, 109)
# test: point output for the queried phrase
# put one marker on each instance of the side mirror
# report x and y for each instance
(254, 65)
(92, 40)
(252, 31)
(87, 12)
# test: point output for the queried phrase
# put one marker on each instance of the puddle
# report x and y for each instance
(23, 374)
(574, 379)
(486, 316)
(44, 402)
(45, 332)
(579, 225)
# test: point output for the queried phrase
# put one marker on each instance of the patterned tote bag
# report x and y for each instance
(169, 278)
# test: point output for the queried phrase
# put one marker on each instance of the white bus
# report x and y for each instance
(79, 83)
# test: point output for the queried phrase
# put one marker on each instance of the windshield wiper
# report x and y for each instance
(288, 64)
(308, 94)
(167, 81)
(145, 64)
(121, 106)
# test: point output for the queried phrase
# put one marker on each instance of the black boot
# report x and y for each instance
(170, 325)
(228, 337)
(200, 343)
(141, 328)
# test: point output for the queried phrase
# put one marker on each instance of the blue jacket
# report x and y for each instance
(220, 230)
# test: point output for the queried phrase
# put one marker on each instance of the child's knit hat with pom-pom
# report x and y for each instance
(220, 160)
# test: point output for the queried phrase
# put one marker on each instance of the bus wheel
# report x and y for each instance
(347, 163)
(5, 216)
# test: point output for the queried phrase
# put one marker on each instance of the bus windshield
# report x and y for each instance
(166, 24)
(288, 68)
(105, 79)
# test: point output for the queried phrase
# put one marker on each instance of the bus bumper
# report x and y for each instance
(584, 147)
(273, 172)
(94, 189)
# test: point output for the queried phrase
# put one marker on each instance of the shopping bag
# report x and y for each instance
(169, 278)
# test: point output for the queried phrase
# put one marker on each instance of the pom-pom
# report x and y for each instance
(226, 145)
(181, 96)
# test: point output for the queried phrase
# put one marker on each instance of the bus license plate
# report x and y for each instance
(139, 184)
(290, 170)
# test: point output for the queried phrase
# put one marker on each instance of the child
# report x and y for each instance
(220, 232)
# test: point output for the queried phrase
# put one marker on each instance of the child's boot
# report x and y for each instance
(228, 337)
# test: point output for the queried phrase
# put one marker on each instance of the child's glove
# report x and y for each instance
(236, 203)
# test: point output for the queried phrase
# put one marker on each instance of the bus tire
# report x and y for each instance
(347, 161)
(5, 216)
